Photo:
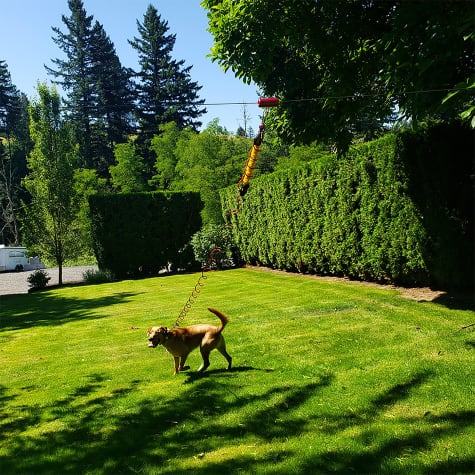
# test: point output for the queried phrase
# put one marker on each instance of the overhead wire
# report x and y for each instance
(356, 95)
(337, 97)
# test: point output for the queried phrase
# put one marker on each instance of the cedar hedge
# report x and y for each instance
(396, 210)
(140, 233)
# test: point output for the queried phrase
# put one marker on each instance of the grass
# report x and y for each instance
(328, 378)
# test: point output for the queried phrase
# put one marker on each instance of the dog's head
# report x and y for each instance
(157, 335)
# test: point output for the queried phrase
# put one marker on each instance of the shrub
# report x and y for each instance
(214, 246)
(141, 233)
(38, 279)
(98, 276)
(398, 210)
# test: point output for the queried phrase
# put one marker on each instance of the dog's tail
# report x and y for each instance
(224, 319)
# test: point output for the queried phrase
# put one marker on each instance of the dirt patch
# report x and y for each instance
(420, 294)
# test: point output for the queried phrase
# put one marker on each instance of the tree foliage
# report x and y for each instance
(50, 217)
(204, 162)
(99, 96)
(9, 101)
(165, 91)
(164, 147)
(126, 175)
(14, 145)
(338, 64)
(87, 182)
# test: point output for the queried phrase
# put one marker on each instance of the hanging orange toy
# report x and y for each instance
(243, 183)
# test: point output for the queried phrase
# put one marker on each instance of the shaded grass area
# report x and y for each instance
(328, 378)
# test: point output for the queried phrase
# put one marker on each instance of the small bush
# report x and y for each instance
(38, 279)
(213, 246)
(98, 276)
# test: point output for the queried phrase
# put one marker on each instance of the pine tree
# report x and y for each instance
(74, 75)
(164, 91)
(114, 88)
(9, 101)
(15, 144)
(98, 88)
(114, 97)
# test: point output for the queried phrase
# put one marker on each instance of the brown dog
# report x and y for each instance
(179, 342)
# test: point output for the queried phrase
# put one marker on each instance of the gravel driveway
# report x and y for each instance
(16, 283)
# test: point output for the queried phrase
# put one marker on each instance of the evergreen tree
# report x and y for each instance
(8, 100)
(14, 146)
(74, 74)
(13, 107)
(164, 91)
(114, 97)
(98, 88)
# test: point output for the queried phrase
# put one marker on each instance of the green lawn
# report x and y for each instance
(329, 377)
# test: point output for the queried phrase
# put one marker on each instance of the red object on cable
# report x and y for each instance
(268, 101)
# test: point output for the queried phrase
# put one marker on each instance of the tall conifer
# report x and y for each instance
(74, 75)
(114, 97)
(15, 144)
(164, 90)
(9, 101)
(97, 86)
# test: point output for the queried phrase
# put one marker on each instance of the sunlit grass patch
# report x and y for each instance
(328, 377)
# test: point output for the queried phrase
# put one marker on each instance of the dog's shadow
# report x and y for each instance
(196, 376)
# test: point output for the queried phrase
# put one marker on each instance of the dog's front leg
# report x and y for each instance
(182, 363)
(177, 364)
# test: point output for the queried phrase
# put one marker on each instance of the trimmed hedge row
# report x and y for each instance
(383, 213)
(140, 233)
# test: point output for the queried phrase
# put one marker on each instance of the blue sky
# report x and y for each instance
(26, 46)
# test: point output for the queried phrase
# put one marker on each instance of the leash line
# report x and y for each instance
(197, 288)
(243, 185)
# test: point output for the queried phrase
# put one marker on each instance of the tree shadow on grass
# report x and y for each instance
(89, 438)
(377, 454)
(44, 309)
(375, 460)
(193, 376)
(100, 431)
(456, 300)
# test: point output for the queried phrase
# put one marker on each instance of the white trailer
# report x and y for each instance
(13, 258)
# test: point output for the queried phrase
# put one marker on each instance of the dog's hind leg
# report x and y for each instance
(222, 349)
(205, 354)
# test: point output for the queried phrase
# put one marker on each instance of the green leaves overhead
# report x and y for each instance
(334, 64)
